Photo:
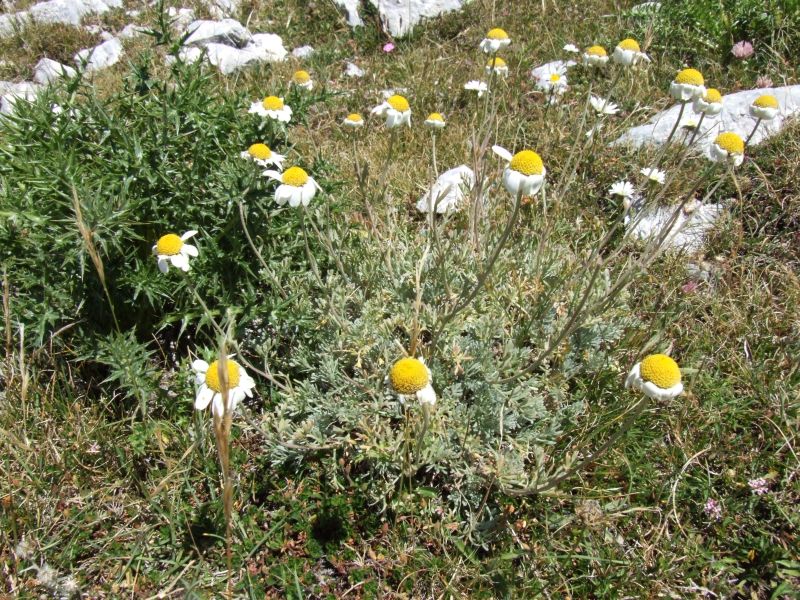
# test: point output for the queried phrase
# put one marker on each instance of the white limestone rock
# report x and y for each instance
(400, 16)
(9, 23)
(351, 8)
(222, 9)
(735, 116)
(227, 31)
(100, 57)
(131, 31)
(263, 47)
(353, 70)
(268, 47)
(687, 233)
(181, 17)
(69, 12)
(303, 52)
(11, 93)
(48, 71)
(187, 54)
(448, 191)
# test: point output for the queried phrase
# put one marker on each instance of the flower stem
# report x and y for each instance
(752, 133)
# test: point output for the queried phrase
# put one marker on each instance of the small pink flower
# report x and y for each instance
(742, 50)
(713, 509)
(763, 82)
(759, 486)
(388, 47)
(689, 287)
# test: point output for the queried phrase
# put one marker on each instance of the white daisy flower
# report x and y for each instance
(629, 53)
(494, 41)
(687, 85)
(603, 106)
(622, 188)
(297, 187)
(553, 79)
(571, 48)
(395, 109)
(498, 65)
(353, 120)
(764, 107)
(302, 79)
(435, 121)
(411, 377)
(478, 86)
(525, 171)
(209, 385)
(657, 377)
(728, 147)
(655, 175)
(263, 156)
(709, 104)
(595, 56)
(272, 107)
(171, 248)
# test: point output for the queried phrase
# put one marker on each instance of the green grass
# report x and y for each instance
(112, 478)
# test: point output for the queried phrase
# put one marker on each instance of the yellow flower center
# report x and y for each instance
(690, 77)
(436, 117)
(766, 101)
(497, 34)
(398, 103)
(712, 95)
(527, 162)
(629, 44)
(169, 244)
(212, 375)
(301, 77)
(259, 151)
(730, 142)
(272, 103)
(497, 62)
(354, 117)
(661, 370)
(555, 78)
(294, 176)
(597, 51)
(408, 376)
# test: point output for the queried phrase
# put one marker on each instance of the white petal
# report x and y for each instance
(634, 378)
(272, 175)
(200, 366)
(203, 398)
(189, 250)
(284, 194)
(502, 153)
(180, 261)
(216, 407)
(427, 395)
(188, 234)
(163, 264)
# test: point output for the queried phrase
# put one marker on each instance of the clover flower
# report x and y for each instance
(396, 110)
(302, 79)
(272, 107)
(411, 377)
(657, 376)
(764, 107)
(742, 50)
(353, 120)
(172, 249)
(263, 156)
(603, 106)
(628, 53)
(713, 509)
(571, 48)
(654, 175)
(498, 65)
(209, 385)
(759, 486)
(595, 56)
(525, 172)
(687, 85)
(477, 86)
(435, 121)
(297, 187)
(710, 103)
(495, 40)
